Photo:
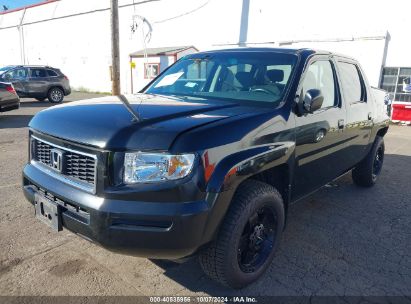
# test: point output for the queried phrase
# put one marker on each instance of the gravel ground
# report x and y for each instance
(343, 240)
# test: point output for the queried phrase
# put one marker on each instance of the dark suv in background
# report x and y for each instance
(39, 82)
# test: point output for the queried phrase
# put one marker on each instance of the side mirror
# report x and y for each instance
(313, 100)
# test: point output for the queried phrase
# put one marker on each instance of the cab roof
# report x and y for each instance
(296, 51)
(266, 49)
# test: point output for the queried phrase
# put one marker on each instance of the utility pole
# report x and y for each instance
(115, 49)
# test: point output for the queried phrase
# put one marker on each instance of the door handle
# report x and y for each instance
(341, 124)
(369, 115)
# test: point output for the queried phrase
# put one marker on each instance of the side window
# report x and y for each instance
(320, 76)
(352, 83)
(16, 74)
(38, 73)
(51, 73)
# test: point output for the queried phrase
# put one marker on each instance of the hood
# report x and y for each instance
(109, 124)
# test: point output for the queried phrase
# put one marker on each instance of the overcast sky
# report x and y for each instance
(11, 4)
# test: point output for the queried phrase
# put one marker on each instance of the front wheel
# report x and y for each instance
(367, 171)
(248, 238)
(55, 95)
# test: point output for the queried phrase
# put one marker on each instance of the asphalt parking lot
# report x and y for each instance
(343, 240)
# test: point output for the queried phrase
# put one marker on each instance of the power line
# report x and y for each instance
(106, 9)
(184, 14)
(77, 14)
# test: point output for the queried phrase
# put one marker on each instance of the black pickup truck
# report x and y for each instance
(208, 157)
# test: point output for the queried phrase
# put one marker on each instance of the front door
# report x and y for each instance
(18, 77)
(319, 136)
(38, 81)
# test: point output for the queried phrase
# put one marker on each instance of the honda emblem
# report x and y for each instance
(56, 160)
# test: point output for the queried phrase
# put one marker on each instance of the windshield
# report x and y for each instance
(4, 69)
(249, 76)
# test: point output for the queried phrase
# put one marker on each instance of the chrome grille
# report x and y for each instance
(76, 165)
(42, 152)
(80, 167)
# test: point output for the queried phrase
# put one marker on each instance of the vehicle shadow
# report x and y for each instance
(32, 103)
(31, 106)
(343, 240)
(14, 121)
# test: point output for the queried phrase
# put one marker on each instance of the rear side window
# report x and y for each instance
(51, 73)
(38, 73)
(352, 83)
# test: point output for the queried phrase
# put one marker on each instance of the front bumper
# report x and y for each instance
(148, 229)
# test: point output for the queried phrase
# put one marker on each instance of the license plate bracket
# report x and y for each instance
(48, 212)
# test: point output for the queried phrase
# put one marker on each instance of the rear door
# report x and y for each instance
(358, 103)
(320, 139)
(38, 82)
(53, 77)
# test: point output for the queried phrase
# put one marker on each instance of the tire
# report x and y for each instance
(55, 95)
(41, 99)
(367, 171)
(224, 260)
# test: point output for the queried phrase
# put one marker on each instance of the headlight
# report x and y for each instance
(143, 167)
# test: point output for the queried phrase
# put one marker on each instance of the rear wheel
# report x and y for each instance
(366, 173)
(55, 95)
(248, 238)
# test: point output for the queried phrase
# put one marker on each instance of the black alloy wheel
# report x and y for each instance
(257, 240)
(378, 161)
